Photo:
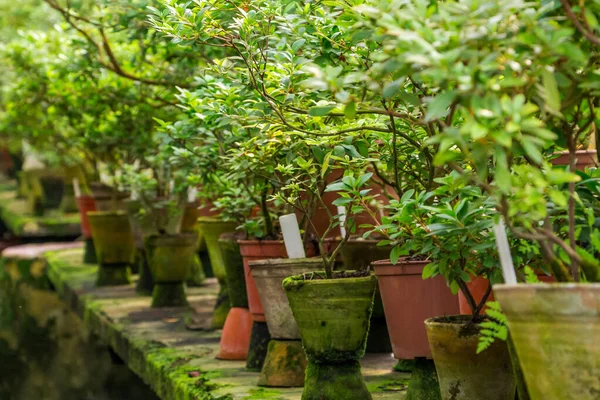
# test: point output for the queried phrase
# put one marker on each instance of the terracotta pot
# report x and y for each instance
(333, 318)
(112, 237)
(555, 329)
(170, 257)
(408, 300)
(463, 374)
(585, 158)
(268, 276)
(478, 287)
(85, 205)
(235, 338)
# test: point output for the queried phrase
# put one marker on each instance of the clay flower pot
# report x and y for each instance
(463, 374)
(115, 248)
(235, 338)
(212, 229)
(333, 318)
(85, 204)
(585, 158)
(555, 330)
(408, 300)
(170, 258)
(358, 254)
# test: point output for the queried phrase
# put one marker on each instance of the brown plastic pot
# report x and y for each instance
(555, 330)
(85, 204)
(256, 250)
(408, 300)
(478, 287)
(585, 158)
(463, 374)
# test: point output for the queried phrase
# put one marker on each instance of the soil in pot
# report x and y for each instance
(408, 300)
(555, 329)
(333, 345)
(170, 257)
(358, 254)
(212, 229)
(463, 374)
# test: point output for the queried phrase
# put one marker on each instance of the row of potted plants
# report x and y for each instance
(418, 128)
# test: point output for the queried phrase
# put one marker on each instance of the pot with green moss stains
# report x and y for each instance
(555, 329)
(170, 258)
(212, 229)
(358, 254)
(112, 236)
(463, 374)
(333, 318)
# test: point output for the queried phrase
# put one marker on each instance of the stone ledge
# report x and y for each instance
(178, 363)
(13, 212)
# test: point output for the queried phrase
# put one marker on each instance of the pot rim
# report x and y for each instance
(367, 278)
(214, 220)
(401, 261)
(546, 287)
(283, 262)
(260, 241)
(116, 213)
(461, 320)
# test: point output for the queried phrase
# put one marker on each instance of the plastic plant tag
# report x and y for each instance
(291, 236)
(342, 213)
(76, 188)
(508, 269)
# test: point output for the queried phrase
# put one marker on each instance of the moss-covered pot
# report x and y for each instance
(212, 229)
(556, 331)
(171, 256)
(234, 270)
(333, 318)
(359, 254)
(112, 237)
(269, 276)
(463, 374)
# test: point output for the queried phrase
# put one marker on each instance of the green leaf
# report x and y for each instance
(395, 254)
(438, 107)
(350, 110)
(392, 88)
(319, 111)
(551, 93)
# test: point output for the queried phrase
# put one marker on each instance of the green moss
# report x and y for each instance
(285, 364)
(89, 252)
(404, 366)
(424, 383)
(335, 382)
(169, 295)
(114, 275)
(259, 345)
(234, 268)
(262, 393)
(222, 308)
(388, 385)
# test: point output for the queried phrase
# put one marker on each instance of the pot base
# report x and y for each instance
(424, 384)
(89, 252)
(405, 366)
(235, 338)
(259, 344)
(221, 307)
(335, 382)
(145, 283)
(113, 275)
(285, 364)
(169, 295)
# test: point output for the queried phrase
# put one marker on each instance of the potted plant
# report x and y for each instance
(496, 120)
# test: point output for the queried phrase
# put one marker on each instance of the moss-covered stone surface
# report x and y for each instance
(16, 216)
(176, 362)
